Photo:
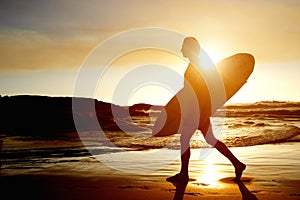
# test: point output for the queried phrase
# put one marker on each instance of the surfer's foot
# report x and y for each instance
(183, 178)
(239, 169)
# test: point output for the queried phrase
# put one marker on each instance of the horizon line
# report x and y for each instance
(68, 96)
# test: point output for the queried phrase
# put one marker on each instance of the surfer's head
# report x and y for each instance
(190, 47)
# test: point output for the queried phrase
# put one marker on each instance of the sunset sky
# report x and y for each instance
(44, 43)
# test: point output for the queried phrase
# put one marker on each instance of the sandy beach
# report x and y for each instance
(272, 173)
(99, 98)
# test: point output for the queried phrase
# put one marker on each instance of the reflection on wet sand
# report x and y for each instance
(180, 190)
(245, 193)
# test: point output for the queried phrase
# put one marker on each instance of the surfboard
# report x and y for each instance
(196, 98)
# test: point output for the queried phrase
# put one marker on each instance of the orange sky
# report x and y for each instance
(43, 44)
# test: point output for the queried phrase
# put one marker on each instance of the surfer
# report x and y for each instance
(191, 50)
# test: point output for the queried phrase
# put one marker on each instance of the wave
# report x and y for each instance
(271, 113)
(261, 136)
(49, 152)
(265, 104)
(254, 136)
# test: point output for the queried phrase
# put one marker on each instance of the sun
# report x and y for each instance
(215, 56)
(214, 52)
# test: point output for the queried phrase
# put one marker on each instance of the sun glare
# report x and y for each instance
(210, 177)
(214, 55)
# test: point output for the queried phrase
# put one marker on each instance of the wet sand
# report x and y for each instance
(272, 173)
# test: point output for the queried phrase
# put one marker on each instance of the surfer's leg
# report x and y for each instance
(183, 175)
(222, 148)
(185, 152)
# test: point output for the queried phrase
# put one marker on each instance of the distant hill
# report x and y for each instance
(38, 115)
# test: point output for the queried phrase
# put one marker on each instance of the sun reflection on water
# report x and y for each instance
(210, 176)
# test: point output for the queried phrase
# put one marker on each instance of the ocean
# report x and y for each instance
(237, 125)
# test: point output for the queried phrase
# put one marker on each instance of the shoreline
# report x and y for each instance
(272, 173)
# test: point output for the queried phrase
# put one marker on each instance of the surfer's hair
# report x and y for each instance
(192, 43)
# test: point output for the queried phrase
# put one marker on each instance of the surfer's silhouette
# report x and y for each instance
(191, 50)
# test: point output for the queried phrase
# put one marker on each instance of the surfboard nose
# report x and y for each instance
(249, 60)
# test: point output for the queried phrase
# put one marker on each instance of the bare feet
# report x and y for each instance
(183, 178)
(239, 170)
